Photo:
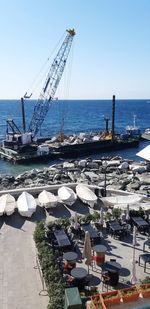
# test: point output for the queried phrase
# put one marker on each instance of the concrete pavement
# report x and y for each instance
(20, 282)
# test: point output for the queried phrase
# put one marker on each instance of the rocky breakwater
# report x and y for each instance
(121, 174)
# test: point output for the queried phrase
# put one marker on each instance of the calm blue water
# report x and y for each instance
(78, 115)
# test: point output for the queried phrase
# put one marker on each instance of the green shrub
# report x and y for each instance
(49, 267)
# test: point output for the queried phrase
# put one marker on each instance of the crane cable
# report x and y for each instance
(62, 113)
(41, 71)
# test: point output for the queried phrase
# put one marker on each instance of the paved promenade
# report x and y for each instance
(20, 282)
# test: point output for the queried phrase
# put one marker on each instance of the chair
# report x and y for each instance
(105, 280)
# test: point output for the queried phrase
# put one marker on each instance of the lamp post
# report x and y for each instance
(105, 169)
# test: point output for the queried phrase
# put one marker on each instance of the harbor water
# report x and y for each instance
(74, 116)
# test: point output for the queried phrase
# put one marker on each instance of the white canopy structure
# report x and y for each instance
(144, 153)
(47, 199)
(86, 195)
(136, 206)
(26, 204)
(122, 199)
(7, 204)
(66, 195)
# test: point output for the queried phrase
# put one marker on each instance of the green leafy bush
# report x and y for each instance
(50, 269)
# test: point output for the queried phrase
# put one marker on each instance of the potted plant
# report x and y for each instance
(145, 289)
(97, 302)
(129, 294)
(111, 297)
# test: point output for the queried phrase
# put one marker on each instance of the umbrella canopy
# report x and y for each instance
(127, 213)
(87, 250)
(144, 153)
(47, 199)
(26, 204)
(7, 204)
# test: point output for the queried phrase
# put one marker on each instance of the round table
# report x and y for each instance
(79, 273)
(112, 268)
(70, 256)
(70, 260)
(99, 254)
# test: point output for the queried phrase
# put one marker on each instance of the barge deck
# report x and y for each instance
(66, 151)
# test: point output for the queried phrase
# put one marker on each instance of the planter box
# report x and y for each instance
(111, 298)
(145, 289)
(129, 294)
(97, 302)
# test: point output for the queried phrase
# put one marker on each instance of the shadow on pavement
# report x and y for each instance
(15, 221)
(60, 211)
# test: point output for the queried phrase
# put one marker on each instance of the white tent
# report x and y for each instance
(66, 195)
(7, 204)
(86, 195)
(144, 153)
(47, 199)
(26, 204)
(122, 199)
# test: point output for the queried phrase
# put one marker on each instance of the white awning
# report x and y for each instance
(144, 153)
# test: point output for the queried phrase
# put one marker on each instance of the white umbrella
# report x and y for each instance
(76, 223)
(47, 199)
(7, 204)
(87, 250)
(133, 272)
(101, 221)
(127, 213)
(134, 235)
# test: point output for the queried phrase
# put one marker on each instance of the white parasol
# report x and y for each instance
(133, 272)
(127, 213)
(134, 235)
(76, 223)
(101, 221)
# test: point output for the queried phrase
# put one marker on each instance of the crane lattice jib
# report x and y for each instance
(52, 81)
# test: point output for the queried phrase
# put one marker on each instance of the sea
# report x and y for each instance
(74, 116)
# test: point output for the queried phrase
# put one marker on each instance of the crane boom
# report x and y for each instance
(52, 81)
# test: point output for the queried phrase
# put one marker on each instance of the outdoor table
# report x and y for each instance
(70, 259)
(140, 223)
(145, 258)
(79, 273)
(113, 269)
(89, 228)
(99, 254)
(146, 243)
(70, 256)
(115, 228)
(62, 238)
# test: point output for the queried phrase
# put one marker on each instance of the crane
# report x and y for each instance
(15, 139)
(51, 84)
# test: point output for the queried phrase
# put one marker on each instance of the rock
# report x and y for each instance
(68, 165)
(124, 166)
(82, 163)
(92, 176)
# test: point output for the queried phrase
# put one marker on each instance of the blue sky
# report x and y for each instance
(110, 53)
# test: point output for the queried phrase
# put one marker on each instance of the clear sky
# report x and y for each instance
(110, 53)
